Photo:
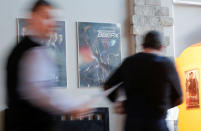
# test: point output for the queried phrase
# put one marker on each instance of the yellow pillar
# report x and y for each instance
(190, 59)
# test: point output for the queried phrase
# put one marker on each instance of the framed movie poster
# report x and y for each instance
(99, 52)
(56, 44)
(192, 89)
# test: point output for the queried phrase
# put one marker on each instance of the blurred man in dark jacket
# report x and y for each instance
(31, 78)
(151, 84)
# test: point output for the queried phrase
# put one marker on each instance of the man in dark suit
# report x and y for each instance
(31, 74)
(151, 84)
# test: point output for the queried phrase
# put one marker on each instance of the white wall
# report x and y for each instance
(168, 31)
(187, 26)
(3, 9)
(113, 11)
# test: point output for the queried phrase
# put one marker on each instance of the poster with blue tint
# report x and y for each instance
(56, 44)
(99, 52)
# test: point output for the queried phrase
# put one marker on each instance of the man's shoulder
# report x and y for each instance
(134, 56)
(129, 58)
(149, 56)
(25, 39)
(21, 47)
(163, 59)
(165, 62)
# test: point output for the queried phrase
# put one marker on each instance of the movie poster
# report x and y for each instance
(56, 45)
(99, 52)
(192, 89)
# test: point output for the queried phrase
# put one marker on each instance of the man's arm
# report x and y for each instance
(113, 80)
(176, 95)
(37, 82)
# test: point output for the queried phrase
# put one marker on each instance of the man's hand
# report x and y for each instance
(119, 107)
(81, 112)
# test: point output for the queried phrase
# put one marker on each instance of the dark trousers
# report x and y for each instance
(29, 127)
(15, 122)
(144, 124)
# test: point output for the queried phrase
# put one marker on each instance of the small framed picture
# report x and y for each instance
(192, 89)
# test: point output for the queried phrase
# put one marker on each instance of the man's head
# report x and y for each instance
(41, 20)
(153, 40)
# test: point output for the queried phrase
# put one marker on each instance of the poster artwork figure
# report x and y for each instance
(192, 91)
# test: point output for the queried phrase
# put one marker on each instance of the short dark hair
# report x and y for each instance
(40, 3)
(153, 39)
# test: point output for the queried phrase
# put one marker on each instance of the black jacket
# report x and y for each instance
(151, 84)
(21, 115)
